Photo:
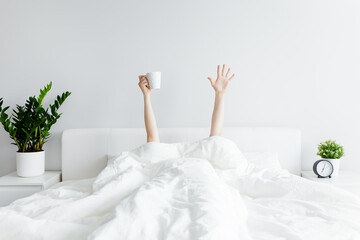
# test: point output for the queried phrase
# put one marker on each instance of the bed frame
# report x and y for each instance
(85, 151)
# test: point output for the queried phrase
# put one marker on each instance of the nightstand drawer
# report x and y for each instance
(9, 194)
(13, 187)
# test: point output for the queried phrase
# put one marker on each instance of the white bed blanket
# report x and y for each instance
(199, 190)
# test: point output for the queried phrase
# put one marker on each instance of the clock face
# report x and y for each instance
(324, 168)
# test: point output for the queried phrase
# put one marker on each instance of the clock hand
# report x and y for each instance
(322, 169)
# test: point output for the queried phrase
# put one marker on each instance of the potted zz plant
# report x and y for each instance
(28, 127)
(331, 151)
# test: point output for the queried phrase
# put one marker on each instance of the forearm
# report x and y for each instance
(217, 119)
(150, 121)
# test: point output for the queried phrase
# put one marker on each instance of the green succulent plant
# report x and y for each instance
(330, 149)
(29, 125)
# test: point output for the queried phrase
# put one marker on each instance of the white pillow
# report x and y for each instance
(264, 159)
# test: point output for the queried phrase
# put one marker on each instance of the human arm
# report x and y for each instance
(219, 85)
(149, 117)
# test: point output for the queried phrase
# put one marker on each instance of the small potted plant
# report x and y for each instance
(29, 126)
(331, 151)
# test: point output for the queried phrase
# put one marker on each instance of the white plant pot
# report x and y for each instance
(336, 165)
(30, 164)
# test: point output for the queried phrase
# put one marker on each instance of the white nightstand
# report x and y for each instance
(346, 180)
(13, 187)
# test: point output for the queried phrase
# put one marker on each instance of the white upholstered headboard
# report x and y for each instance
(84, 151)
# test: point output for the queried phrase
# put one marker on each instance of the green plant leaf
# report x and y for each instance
(43, 93)
(330, 149)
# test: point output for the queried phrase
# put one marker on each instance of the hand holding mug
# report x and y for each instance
(144, 85)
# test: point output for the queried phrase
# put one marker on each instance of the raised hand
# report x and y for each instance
(149, 117)
(222, 80)
(144, 85)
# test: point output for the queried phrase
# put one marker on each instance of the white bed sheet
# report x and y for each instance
(199, 190)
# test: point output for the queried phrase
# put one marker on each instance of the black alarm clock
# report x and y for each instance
(323, 168)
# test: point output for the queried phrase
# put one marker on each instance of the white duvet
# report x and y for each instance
(199, 190)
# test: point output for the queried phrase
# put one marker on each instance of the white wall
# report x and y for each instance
(297, 65)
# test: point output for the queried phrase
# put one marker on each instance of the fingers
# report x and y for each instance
(143, 82)
(228, 71)
(211, 81)
(141, 77)
(231, 76)
(222, 71)
(144, 86)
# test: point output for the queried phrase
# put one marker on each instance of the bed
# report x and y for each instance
(244, 185)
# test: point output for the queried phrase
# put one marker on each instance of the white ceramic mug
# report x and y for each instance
(154, 79)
